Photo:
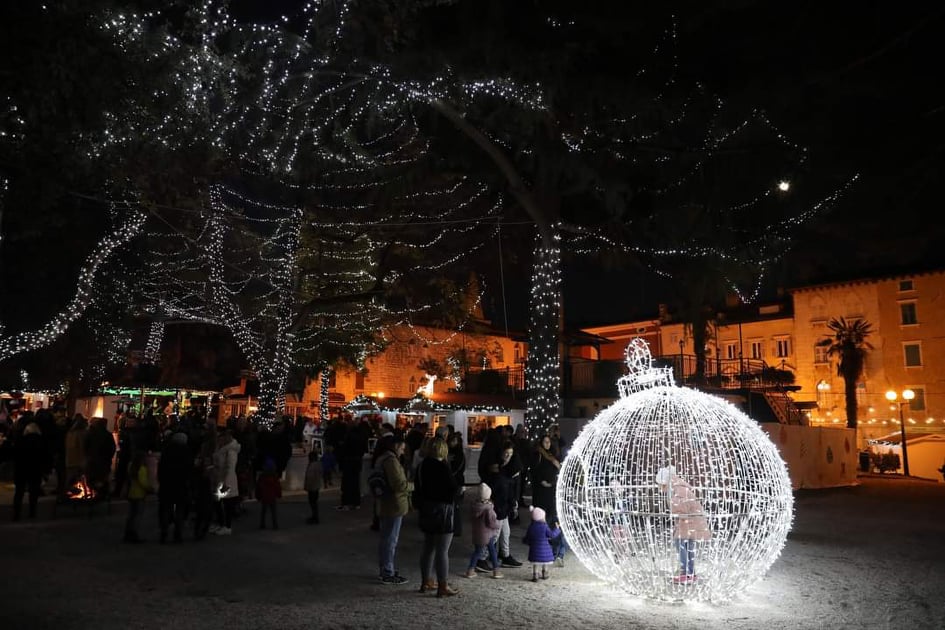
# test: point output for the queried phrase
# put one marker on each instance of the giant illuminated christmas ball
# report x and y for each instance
(726, 490)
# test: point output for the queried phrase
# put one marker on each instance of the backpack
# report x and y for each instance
(377, 482)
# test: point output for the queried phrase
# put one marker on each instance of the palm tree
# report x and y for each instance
(850, 346)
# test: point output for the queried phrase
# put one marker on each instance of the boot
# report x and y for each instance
(428, 585)
(445, 590)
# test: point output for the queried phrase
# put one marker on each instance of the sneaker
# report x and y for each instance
(682, 579)
(223, 531)
(509, 561)
(483, 566)
(393, 579)
(559, 562)
(470, 573)
(497, 576)
(213, 528)
(343, 508)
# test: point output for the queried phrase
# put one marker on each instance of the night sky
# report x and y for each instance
(858, 84)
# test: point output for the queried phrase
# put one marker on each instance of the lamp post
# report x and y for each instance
(907, 395)
(682, 372)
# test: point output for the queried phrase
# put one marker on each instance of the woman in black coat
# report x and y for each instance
(436, 486)
(30, 462)
(544, 471)
(456, 457)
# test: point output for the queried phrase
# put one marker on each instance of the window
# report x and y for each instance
(757, 349)
(913, 354)
(783, 348)
(905, 285)
(917, 403)
(498, 352)
(359, 380)
(907, 314)
(820, 354)
(518, 354)
(731, 350)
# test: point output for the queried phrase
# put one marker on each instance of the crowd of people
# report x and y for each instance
(202, 473)
(426, 473)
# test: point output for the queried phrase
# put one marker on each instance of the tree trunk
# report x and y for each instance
(272, 382)
(543, 363)
(849, 397)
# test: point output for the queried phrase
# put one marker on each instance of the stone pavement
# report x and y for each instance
(847, 564)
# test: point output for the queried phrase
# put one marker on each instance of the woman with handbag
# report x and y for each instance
(436, 488)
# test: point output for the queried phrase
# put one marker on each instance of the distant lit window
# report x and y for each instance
(917, 403)
(757, 349)
(783, 348)
(905, 285)
(820, 354)
(731, 351)
(907, 314)
(913, 354)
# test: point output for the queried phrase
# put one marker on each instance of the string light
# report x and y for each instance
(130, 225)
(619, 523)
(542, 365)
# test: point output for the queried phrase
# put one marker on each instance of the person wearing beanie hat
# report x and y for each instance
(485, 532)
(538, 537)
(392, 507)
(689, 522)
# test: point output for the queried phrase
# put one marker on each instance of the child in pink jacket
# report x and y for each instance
(485, 532)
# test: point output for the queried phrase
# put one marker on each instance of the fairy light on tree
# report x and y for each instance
(619, 521)
(129, 225)
(542, 367)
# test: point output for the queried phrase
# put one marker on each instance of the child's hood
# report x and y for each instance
(481, 507)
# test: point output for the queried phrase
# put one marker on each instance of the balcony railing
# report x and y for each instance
(507, 380)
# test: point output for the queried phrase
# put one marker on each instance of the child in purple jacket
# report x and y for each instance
(538, 538)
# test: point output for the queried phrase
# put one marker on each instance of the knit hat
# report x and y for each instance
(485, 492)
(663, 475)
(179, 437)
(538, 514)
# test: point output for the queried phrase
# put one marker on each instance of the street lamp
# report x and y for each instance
(907, 396)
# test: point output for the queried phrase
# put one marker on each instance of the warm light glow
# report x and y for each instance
(618, 521)
(907, 394)
(784, 185)
(427, 389)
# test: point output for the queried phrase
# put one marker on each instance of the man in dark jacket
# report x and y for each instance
(174, 472)
(99, 451)
(30, 461)
(504, 497)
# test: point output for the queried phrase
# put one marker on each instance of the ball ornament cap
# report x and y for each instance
(666, 464)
